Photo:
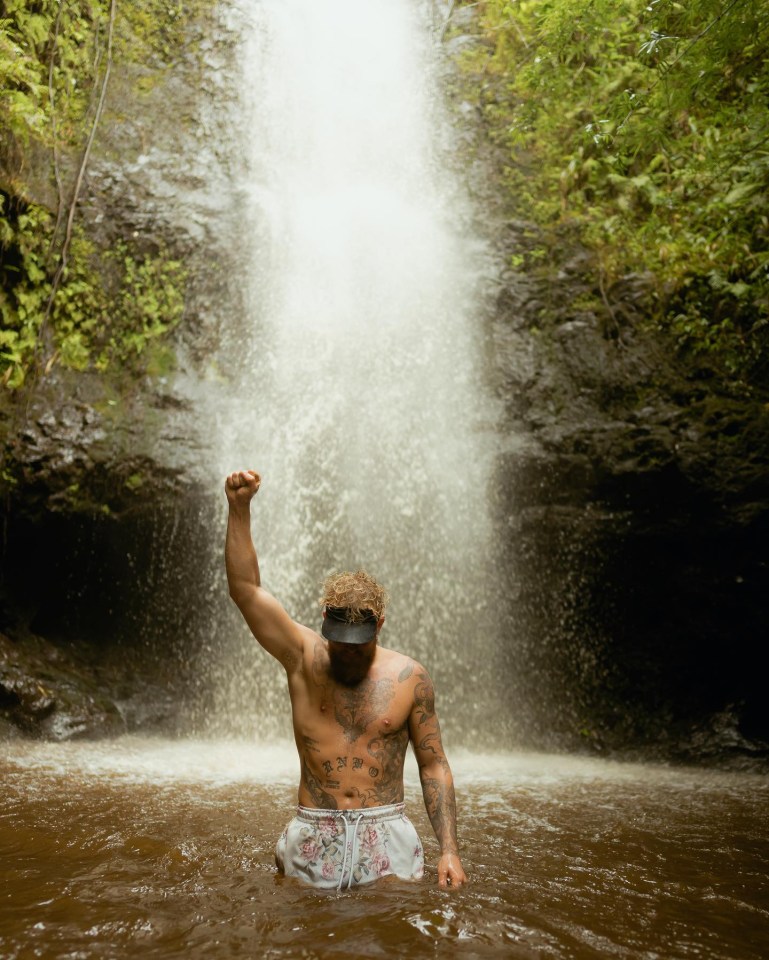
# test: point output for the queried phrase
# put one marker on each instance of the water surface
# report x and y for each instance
(164, 849)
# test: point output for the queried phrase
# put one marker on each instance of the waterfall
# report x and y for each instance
(352, 378)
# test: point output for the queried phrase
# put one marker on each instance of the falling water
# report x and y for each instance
(353, 379)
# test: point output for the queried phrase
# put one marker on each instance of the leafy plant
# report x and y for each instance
(61, 299)
(644, 127)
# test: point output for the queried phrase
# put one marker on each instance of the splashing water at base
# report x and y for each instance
(353, 379)
(164, 849)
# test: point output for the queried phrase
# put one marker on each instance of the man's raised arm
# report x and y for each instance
(437, 781)
(268, 621)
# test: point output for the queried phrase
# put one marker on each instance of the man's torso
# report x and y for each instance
(352, 740)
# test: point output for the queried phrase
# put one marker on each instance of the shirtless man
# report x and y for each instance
(355, 706)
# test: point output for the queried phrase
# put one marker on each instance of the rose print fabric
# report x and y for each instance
(346, 848)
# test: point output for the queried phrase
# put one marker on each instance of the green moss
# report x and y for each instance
(160, 360)
(8, 481)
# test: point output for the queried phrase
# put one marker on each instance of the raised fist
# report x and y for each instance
(241, 486)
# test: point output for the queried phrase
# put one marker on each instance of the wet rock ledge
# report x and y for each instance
(57, 692)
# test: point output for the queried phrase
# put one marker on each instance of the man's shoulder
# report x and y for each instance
(402, 667)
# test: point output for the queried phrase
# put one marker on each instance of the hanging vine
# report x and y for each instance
(65, 248)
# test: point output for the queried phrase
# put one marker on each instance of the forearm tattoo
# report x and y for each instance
(434, 770)
(441, 806)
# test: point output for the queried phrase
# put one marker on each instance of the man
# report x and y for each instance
(355, 706)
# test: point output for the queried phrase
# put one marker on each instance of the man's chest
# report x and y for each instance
(372, 709)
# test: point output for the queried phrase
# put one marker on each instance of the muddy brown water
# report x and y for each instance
(150, 848)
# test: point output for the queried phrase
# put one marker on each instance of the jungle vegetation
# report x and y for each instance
(642, 128)
(639, 126)
(63, 298)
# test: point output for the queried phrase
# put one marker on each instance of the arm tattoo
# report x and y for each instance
(441, 805)
(434, 770)
(432, 743)
(424, 699)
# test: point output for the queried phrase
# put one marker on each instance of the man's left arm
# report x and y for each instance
(437, 781)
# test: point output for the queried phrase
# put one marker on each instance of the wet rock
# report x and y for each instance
(720, 739)
(83, 447)
(9, 731)
(45, 693)
(638, 509)
(97, 470)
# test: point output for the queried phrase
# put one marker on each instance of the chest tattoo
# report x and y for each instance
(356, 708)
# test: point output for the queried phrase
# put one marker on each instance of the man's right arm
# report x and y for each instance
(268, 621)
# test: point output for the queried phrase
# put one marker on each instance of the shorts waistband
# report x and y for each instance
(362, 814)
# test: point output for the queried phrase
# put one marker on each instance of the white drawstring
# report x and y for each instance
(347, 844)
(354, 838)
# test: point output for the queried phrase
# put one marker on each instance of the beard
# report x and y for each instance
(350, 669)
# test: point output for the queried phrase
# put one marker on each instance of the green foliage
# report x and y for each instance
(134, 482)
(644, 126)
(64, 301)
(25, 287)
(148, 299)
(107, 310)
(48, 55)
(52, 57)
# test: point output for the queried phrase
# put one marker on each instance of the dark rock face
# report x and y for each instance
(76, 690)
(103, 476)
(46, 693)
(635, 502)
(79, 444)
(119, 601)
(631, 496)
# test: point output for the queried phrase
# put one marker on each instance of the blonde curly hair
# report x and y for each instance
(357, 592)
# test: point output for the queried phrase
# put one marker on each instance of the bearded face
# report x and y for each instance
(349, 663)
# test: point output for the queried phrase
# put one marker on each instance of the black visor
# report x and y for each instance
(337, 626)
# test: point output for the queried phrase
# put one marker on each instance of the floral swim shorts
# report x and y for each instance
(345, 848)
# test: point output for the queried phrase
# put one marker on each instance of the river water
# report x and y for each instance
(160, 848)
